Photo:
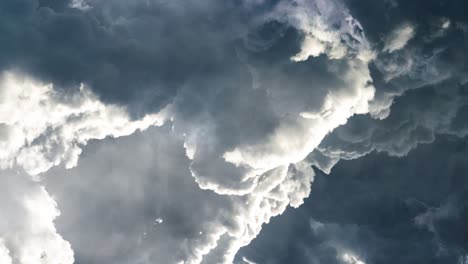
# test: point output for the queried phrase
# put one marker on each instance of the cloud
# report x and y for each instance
(375, 208)
(43, 127)
(247, 261)
(328, 27)
(261, 162)
(291, 122)
(260, 178)
(27, 231)
(126, 57)
(351, 259)
(421, 94)
(408, 125)
(162, 213)
(5, 253)
(144, 206)
(80, 4)
(253, 102)
(399, 38)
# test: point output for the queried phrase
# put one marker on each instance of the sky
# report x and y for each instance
(233, 132)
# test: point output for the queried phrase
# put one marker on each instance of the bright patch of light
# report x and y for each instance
(247, 261)
(351, 259)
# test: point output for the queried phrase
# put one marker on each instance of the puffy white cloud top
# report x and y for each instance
(27, 231)
(42, 127)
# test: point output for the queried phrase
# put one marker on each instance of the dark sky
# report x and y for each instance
(233, 131)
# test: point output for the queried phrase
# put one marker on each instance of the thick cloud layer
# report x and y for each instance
(431, 74)
(146, 207)
(254, 92)
(143, 204)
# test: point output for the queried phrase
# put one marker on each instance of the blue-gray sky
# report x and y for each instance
(233, 131)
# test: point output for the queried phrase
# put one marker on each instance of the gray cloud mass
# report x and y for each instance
(237, 131)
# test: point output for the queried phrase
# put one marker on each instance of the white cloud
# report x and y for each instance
(4, 253)
(80, 4)
(42, 127)
(445, 23)
(268, 174)
(351, 259)
(27, 231)
(398, 39)
(247, 261)
(328, 28)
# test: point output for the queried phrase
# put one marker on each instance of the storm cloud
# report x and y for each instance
(155, 131)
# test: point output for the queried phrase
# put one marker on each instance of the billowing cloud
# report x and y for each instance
(328, 27)
(42, 127)
(253, 151)
(27, 231)
(427, 95)
(252, 102)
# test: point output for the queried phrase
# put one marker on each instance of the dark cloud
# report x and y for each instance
(415, 118)
(213, 62)
(138, 53)
(425, 80)
(380, 209)
(379, 18)
(377, 208)
(250, 88)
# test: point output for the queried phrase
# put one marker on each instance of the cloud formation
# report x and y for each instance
(399, 38)
(27, 230)
(43, 127)
(254, 92)
(375, 208)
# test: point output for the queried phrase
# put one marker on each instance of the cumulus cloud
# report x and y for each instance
(260, 172)
(262, 162)
(253, 102)
(408, 125)
(290, 126)
(425, 81)
(43, 127)
(141, 184)
(27, 231)
(328, 27)
(262, 168)
(426, 97)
